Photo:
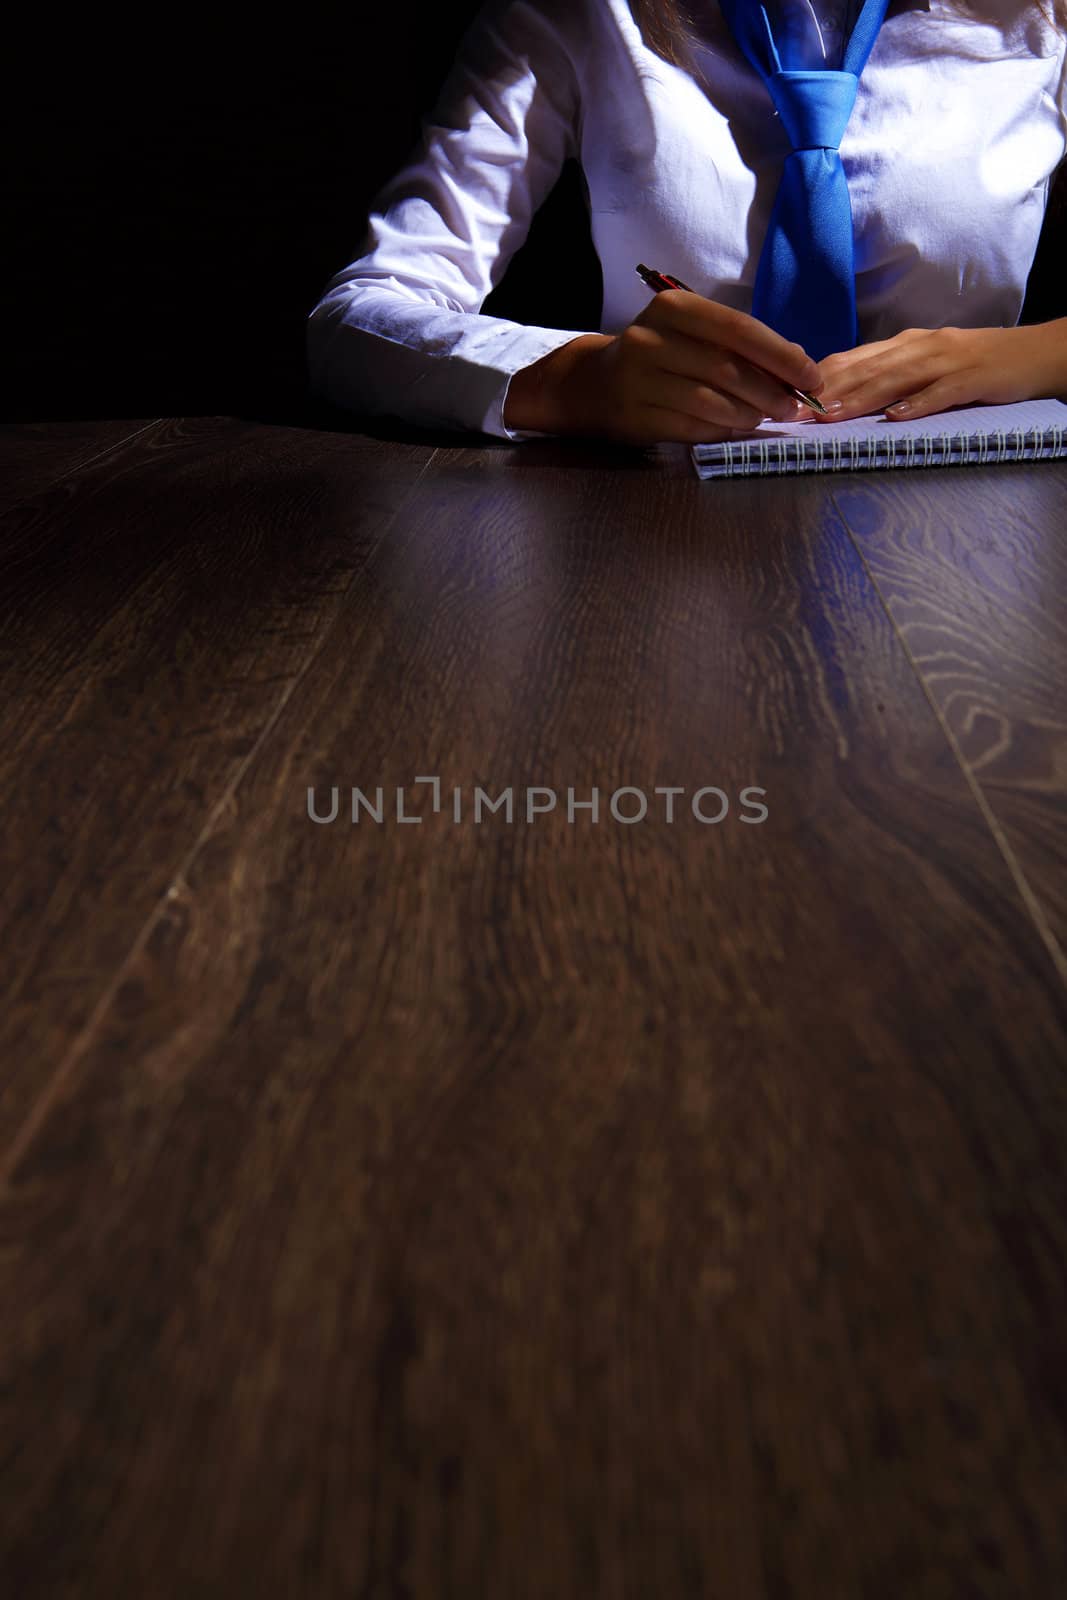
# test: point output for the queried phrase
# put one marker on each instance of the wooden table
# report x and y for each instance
(551, 1208)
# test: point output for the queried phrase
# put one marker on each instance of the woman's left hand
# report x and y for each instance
(925, 370)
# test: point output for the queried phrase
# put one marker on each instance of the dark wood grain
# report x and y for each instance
(33, 455)
(160, 605)
(978, 590)
(548, 1208)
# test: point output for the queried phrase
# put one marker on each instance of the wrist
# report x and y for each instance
(539, 396)
(1044, 347)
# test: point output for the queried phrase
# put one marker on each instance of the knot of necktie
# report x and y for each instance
(814, 106)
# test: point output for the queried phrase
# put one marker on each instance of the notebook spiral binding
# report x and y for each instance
(766, 456)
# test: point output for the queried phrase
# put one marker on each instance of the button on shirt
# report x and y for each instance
(957, 128)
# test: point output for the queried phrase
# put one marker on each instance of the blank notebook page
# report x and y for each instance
(969, 420)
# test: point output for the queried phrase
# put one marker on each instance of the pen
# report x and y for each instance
(663, 280)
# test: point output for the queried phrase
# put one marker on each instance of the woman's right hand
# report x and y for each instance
(687, 369)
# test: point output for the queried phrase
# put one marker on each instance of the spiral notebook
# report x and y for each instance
(1030, 430)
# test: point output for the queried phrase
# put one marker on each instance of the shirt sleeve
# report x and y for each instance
(398, 331)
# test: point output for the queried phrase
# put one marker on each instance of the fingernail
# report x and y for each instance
(899, 407)
(833, 405)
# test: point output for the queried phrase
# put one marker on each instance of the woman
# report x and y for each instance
(959, 121)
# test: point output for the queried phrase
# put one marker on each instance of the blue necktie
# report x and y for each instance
(805, 285)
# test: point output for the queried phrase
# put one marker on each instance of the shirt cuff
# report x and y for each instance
(547, 340)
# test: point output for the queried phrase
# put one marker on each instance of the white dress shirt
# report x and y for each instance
(957, 128)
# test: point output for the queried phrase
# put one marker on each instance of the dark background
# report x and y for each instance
(180, 189)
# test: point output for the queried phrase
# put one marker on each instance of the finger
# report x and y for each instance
(694, 361)
(899, 402)
(690, 377)
(961, 389)
(704, 403)
(746, 336)
(863, 387)
(847, 408)
(733, 376)
(890, 378)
